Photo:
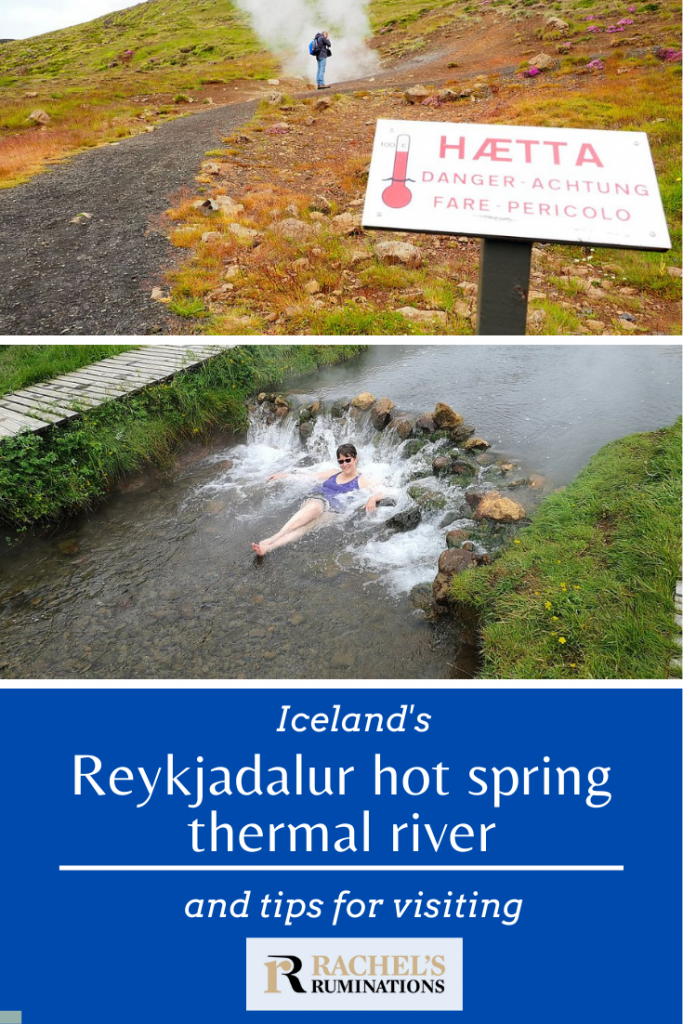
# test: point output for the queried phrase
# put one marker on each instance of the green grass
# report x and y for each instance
(70, 467)
(23, 365)
(586, 592)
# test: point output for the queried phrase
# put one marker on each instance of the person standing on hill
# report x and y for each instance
(322, 52)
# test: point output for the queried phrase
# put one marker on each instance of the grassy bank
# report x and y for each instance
(23, 365)
(44, 477)
(587, 590)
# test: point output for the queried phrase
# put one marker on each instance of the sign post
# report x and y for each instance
(511, 185)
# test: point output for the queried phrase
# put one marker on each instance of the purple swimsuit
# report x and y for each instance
(331, 491)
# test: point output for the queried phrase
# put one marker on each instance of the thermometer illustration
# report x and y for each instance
(398, 195)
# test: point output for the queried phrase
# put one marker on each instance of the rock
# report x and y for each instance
(426, 498)
(454, 538)
(441, 465)
(81, 218)
(323, 103)
(226, 205)
(358, 256)
(627, 316)
(536, 481)
(536, 319)
(301, 264)
(211, 236)
(412, 447)
(399, 252)
(460, 467)
(321, 204)
(468, 287)
(312, 288)
(380, 413)
(595, 325)
(455, 560)
(421, 597)
(210, 168)
(30, 95)
(68, 547)
(423, 316)
(628, 291)
(347, 223)
(542, 61)
(363, 401)
(501, 510)
(426, 423)
(448, 96)
(39, 117)
(296, 230)
(274, 98)
(476, 444)
(475, 495)
(242, 232)
(556, 23)
(232, 272)
(446, 418)
(306, 429)
(407, 520)
(159, 296)
(273, 81)
(674, 271)
(416, 94)
(402, 426)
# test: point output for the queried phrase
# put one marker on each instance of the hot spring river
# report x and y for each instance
(161, 581)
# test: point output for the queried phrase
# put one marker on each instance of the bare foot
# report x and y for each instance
(259, 549)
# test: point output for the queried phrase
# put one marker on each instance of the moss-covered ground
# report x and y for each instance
(586, 592)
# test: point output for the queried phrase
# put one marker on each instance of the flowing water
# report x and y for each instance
(161, 582)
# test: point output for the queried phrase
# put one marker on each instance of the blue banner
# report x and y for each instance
(499, 854)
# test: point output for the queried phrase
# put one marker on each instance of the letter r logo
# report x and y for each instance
(289, 967)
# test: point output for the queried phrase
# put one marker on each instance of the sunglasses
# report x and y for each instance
(342, 462)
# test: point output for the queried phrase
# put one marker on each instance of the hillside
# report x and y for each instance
(613, 67)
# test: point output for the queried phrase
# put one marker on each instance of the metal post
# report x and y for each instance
(503, 286)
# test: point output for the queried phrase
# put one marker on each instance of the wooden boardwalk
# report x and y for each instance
(55, 401)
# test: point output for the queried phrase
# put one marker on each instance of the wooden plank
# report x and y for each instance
(134, 378)
(98, 383)
(7, 405)
(42, 406)
(51, 399)
(15, 419)
(66, 395)
(107, 389)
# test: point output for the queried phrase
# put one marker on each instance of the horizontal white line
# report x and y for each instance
(347, 867)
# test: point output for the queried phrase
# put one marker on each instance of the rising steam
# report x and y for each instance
(288, 26)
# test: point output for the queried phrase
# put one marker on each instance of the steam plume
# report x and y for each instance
(288, 26)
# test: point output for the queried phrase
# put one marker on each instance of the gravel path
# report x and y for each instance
(95, 277)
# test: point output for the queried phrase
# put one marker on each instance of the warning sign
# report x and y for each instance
(510, 181)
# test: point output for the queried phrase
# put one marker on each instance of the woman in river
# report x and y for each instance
(330, 496)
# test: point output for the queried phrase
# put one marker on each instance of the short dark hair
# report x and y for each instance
(347, 449)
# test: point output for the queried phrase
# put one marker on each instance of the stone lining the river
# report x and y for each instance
(481, 519)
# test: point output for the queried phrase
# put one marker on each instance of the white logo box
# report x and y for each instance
(289, 973)
(513, 181)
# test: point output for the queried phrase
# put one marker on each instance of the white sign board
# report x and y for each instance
(510, 181)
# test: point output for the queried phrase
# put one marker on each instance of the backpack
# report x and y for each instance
(313, 48)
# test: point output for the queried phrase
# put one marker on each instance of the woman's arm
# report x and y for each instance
(378, 492)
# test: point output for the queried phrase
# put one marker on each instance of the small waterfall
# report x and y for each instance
(399, 560)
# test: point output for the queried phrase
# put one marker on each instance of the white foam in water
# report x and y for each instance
(401, 559)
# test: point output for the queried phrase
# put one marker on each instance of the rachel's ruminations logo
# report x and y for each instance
(289, 967)
(354, 974)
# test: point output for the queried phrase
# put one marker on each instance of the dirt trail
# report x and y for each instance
(95, 277)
